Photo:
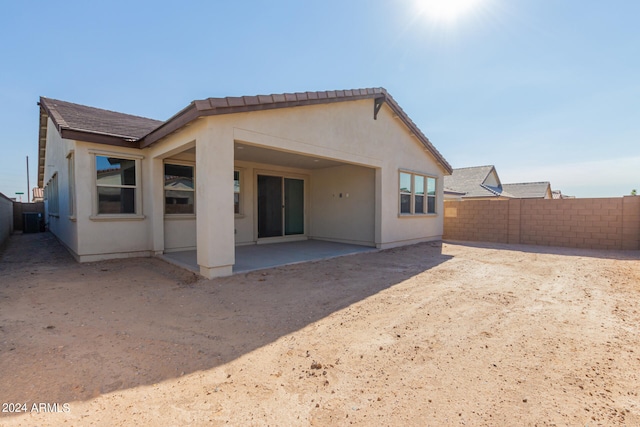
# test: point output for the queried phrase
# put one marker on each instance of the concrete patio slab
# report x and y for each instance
(258, 257)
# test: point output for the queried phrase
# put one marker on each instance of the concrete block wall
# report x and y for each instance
(608, 223)
(6, 218)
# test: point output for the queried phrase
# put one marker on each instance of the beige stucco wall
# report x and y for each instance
(63, 225)
(371, 152)
(118, 236)
(343, 204)
(6, 218)
(346, 131)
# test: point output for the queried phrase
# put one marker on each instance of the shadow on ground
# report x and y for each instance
(72, 331)
(631, 255)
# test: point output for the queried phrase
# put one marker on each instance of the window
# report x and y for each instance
(116, 185)
(405, 193)
(179, 192)
(51, 195)
(71, 178)
(431, 195)
(236, 192)
(413, 198)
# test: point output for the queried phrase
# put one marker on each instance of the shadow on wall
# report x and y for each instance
(74, 331)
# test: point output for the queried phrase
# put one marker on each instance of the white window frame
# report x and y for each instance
(412, 193)
(192, 165)
(137, 215)
(52, 196)
(71, 177)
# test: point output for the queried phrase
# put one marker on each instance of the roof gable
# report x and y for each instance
(90, 124)
(476, 181)
(528, 190)
(91, 120)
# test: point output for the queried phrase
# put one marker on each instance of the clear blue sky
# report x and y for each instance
(542, 89)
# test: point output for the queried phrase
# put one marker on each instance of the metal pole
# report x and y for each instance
(28, 189)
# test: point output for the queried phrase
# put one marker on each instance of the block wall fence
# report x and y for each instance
(6, 218)
(608, 223)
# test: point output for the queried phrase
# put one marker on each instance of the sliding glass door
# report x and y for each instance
(280, 206)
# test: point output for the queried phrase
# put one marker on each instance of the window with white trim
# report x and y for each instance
(71, 181)
(236, 192)
(179, 191)
(116, 183)
(51, 195)
(417, 194)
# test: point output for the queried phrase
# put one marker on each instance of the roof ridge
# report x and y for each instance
(528, 182)
(476, 167)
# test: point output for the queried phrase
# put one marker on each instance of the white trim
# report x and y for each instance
(118, 154)
(117, 217)
(95, 215)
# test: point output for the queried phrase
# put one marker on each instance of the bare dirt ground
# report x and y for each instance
(451, 334)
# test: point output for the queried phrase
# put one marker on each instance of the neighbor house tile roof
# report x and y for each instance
(528, 190)
(471, 182)
(80, 122)
(38, 193)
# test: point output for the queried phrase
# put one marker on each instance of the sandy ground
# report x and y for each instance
(427, 335)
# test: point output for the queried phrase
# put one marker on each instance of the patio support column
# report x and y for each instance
(157, 205)
(214, 202)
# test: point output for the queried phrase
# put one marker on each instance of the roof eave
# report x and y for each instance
(99, 138)
(218, 106)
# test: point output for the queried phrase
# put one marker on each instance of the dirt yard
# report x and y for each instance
(427, 335)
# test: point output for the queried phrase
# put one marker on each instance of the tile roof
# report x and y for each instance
(82, 118)
(91, 124)
(471, 182)
(528, 190)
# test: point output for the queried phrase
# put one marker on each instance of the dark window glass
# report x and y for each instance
(405, 203)
(419, 208)
(431, 204)
(116, 200)
(236, 191)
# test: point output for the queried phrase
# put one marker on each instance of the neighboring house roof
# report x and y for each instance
(528, 190)
(557, 194)
(91, 124)
(38, 194)
(476, 181)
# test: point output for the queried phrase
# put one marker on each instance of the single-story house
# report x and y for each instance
(483, 183)
(346, 166)
(529, 190)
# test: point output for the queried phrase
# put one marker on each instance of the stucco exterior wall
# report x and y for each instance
(371, 153)
(6, 218)
(347, 132)
(343, 204)
(62, 224)
(115, 236)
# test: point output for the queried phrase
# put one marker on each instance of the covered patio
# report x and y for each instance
(262, 256)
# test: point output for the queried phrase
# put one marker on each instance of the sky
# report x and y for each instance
(545, 90)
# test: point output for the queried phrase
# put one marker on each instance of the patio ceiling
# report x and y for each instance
(252, 153)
